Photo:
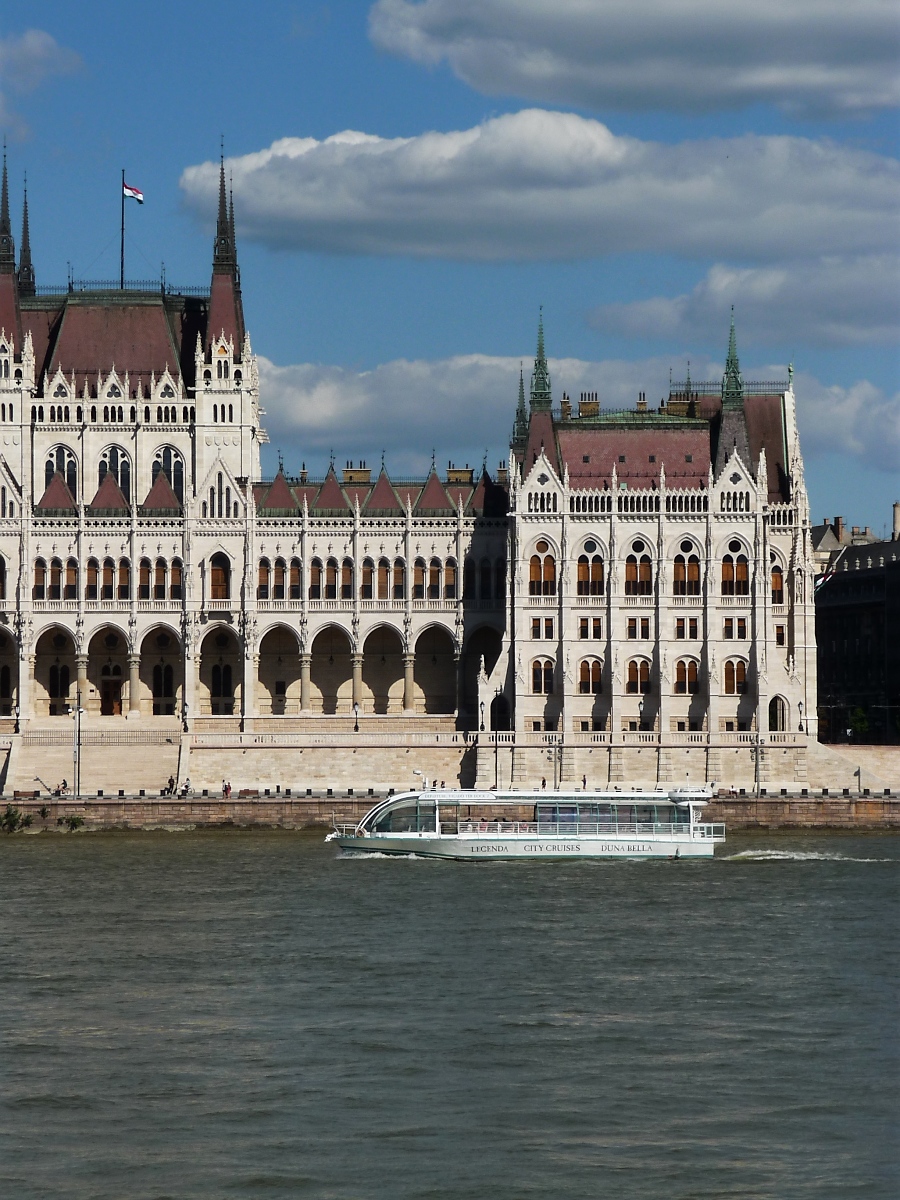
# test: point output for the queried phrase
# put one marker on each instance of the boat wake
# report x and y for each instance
(796, 856)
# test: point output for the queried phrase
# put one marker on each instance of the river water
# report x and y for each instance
(218, 1014)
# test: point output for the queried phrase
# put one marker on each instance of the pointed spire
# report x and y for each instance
(223, 248)
(26, 269)
(732, 383)
(540, 376)
(7, 247)
(520, 426)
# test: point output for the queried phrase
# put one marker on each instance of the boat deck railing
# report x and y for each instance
(706, 832)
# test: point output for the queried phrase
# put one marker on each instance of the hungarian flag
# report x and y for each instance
(133, 193)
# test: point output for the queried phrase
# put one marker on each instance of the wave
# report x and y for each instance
(796, 856)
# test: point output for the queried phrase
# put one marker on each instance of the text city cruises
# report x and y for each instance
(476, 826)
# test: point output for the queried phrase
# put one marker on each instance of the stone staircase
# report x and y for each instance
(114, 757)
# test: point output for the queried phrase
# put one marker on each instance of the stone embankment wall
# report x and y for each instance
(300, 812)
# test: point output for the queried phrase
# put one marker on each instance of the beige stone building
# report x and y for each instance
(630, 601)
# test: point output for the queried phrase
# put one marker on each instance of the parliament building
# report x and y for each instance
(629, 601)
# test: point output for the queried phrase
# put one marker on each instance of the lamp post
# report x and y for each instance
(356, 717)
(76, 746)
(416, 771)
(800, 706)
(184, 716)
(640, 714)
(17, 710)
(481, 706)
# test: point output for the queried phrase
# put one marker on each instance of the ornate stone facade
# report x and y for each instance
(630, 601)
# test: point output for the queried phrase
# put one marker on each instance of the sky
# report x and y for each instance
(414, 179)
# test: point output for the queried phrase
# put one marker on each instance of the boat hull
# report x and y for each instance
(482, 849)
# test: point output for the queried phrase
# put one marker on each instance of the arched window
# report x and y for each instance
(399, 579)
(638, 575)
(741, 576)
(542, 677)
(347, 579)
(262, 586)
(777, 585)
(434, 579)
(175, 580)
(109, 579)
(222, 685)
(124, 579)
(727, 575)
(686, 679)
(39, 591)
(331, 577)
(735, 677)
(542, 571)
(170, 461)
(144, 571)
(54, 590)
(589, 677)
(590, 575)
(315, 580)
(3, 579)
(777, 715)
(638, 676)
(384, 579)
(92, 583)
(219, 577)
(159, 579)
(295, 579)
(367, 586)
(450, 579)
(419, 579)
(62, 459)
(278, 584)
(115, 461)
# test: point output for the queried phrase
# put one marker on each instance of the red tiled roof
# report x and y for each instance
(109, 496)
(135, 338)
(225, 312)
(279, 496)
(330, 495)
(541, 437)
(160, 498)
(765, 427)
(433, 498)
(56, 494)
(383, 498)
(604, 446)
(9, 310)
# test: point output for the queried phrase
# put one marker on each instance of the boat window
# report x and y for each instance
(411, 817)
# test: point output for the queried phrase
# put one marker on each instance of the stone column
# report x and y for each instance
(248, 689)
(134, 684)
(81, 678)
(356, 665)
(409, 690)
(305, 663)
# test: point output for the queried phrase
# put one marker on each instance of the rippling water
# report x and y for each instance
(230, 1014)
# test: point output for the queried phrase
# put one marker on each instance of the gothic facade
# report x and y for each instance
(630, 599)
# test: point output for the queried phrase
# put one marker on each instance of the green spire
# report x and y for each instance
(732, 383)
(7, 249)
(540, 376)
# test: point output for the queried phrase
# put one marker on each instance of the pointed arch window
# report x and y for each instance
(295, 582)
(315, 580)
(331, 579)
(542, 571)
(434, 579)
(590, 677)
(419, 579)
(347, 579)
(176, 580)
(735, 677)
(384, 579)
(278, 582)
(92, 582)
(450, 579)
(366, 587)
(115, 461)
(109, 579)
(262, 584)
(399, 579)
(62, 459)
(124, 579)
(170, 461)
(159, 579)
(777, 585)
(542, 677)
(144, 572)
(219, 577)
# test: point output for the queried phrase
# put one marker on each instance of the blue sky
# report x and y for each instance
(636, 167)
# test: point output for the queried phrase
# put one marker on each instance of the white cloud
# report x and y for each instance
(823, 302)
(806, 56)
(549, 185)
(26, 60)
(465, 405)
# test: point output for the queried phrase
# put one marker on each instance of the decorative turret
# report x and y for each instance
(9, 294)
(26, 269)
(7, 246)
(519, 438)
(226, 314)
(732, 434)
(732, 383)
(540, 376)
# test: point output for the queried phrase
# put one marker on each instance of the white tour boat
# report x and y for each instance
(474, 825)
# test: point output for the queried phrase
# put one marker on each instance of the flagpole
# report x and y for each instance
(122, 242)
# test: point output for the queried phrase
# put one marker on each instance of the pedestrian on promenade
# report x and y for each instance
(224, 790)
(543, 785)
